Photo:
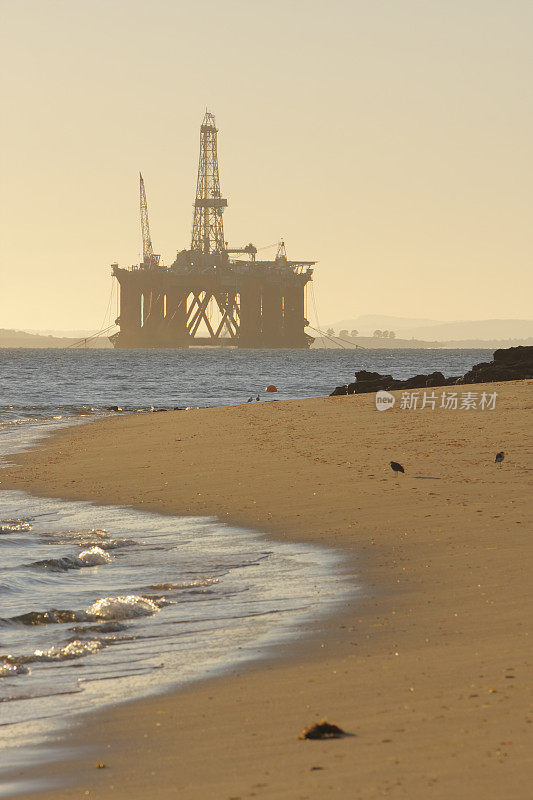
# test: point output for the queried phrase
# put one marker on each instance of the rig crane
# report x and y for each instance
(150, 259)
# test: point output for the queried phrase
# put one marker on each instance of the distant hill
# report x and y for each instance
(12, 338)
(478, 329)
(59, 334)
(366, 324)
(432, 330)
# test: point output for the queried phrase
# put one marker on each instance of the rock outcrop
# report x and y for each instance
(511, 364)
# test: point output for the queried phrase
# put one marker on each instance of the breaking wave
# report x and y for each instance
(93, 537)
(125, 607)
(18, 665)
(15, 526)
(107, 608)
(168, 587)
(74, 649)
(93, 557)
(9, 669)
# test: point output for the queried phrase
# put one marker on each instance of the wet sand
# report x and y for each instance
(427, 666)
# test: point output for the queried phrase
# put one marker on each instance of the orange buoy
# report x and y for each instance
(271, 388)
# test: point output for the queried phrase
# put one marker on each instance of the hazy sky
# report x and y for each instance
(388, 139)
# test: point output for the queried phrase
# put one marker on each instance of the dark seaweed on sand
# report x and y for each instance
(322, 730)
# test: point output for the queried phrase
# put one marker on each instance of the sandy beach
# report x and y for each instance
(426, 667)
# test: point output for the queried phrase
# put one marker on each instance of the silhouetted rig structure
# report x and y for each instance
(209, 296)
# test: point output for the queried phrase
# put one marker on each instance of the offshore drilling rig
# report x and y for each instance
(212, 294)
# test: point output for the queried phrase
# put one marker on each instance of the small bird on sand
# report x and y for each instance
(257, 398)
(499, 457)
(396, 467)
(249, 399)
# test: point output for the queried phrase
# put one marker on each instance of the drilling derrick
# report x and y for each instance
(212, 294)
(150, 260)
(281, 255)
(208, 228)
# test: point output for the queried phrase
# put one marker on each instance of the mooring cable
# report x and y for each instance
(338, 340)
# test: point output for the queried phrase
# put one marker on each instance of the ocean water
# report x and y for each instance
(46, 384)
(99, 605)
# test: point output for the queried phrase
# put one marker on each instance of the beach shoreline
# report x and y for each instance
(415, 665)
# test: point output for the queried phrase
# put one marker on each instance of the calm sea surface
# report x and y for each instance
(98, 604)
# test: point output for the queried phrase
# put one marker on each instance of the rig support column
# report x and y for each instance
(272, 315)
(293, 313)
(175, 316)
(153, 308)
(250, 315)
(130, 308)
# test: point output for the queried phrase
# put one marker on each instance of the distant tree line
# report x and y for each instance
(345, 334)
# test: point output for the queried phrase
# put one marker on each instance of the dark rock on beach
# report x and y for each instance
(511, 364)
(364, 384)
